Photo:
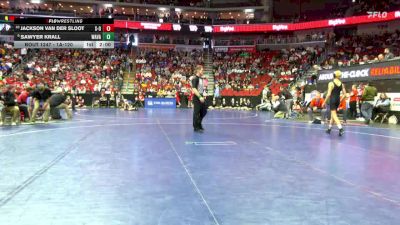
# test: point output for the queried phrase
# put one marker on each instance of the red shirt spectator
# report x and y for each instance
(354, 95)
(317, 102)
(23, 97)
(343, 104)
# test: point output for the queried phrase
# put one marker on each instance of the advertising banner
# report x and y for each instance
(368, 72)
(157, 46)
(160, 103)
(275, 27)
(250, 48)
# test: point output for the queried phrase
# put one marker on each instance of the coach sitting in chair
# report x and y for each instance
(40, 94)
(316, 107)
(9, 105)
(381, 107)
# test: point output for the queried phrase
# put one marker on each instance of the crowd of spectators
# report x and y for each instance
(81, 71)
(166, 73)
(357, 50)
(244, 71)
(9, 57)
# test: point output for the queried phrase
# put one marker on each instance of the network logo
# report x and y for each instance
(193, 28)
(176, 27)
(280, 27)
(336, 22)
(208, 29)
(150, 26)
(227, 28)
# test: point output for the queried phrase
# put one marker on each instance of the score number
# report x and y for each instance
(104, 28)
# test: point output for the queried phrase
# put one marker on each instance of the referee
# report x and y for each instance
(199, 109)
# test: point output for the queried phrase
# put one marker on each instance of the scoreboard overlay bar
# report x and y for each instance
(64, 33)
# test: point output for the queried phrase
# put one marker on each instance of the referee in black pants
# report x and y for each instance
(200, 108)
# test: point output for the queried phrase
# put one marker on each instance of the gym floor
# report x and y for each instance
(111, 167)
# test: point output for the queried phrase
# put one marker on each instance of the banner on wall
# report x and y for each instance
(233, 49)
(157, 46)
(250, 48)
(368, 72)
(165, 103)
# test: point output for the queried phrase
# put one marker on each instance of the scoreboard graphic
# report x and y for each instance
(64, 33)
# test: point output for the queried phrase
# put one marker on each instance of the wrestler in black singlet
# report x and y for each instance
(335, 96)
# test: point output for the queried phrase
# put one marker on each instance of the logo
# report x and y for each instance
(176, 27)
(397, 14)
(227, 28)
(280, 27)
(380, 15)
(385, 71)
(150, 26)
(221, 49)
(193, 28)
(150, 103)
(336, 22)
(325, 76)
(355, 73)
(208, 29)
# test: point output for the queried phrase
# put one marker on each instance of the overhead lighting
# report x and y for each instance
(88, 7)
(248, 10)
(70, 6)
(50, 9)
(162, 9)
(109, 16)
(108, 5)
(35, 1)
(178, 10)
(147, 10)
(81, 9)
(45, 5)
(230, 13)
(123, 8)
(27, 3)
